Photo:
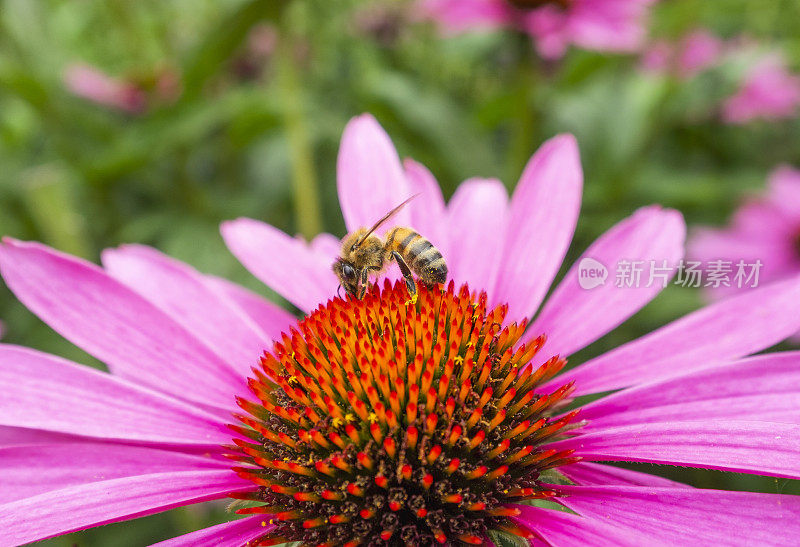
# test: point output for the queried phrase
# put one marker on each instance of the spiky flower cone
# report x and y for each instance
(389, 422)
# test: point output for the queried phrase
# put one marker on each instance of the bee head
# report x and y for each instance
(348, 276)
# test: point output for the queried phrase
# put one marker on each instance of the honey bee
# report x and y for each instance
(364, 253)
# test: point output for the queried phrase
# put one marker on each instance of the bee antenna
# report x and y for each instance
(339, 290)
(386, 217)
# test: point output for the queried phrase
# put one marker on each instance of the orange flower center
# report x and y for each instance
(387, 421)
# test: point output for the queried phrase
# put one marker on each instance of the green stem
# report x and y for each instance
(524, 128)
(301, 154)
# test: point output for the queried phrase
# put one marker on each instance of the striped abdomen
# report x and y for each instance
(420, 255)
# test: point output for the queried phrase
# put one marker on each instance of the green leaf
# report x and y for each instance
(553, 476)
(504, 539)
(220, 43)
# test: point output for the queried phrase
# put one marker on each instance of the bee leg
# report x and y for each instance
(363, 283)
(406, 271)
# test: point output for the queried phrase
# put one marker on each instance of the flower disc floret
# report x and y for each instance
(387, 421)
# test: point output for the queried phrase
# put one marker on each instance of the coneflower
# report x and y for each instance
(770, 91)
(379, 420)
(388, 421)
(763, 238)
(601, 25)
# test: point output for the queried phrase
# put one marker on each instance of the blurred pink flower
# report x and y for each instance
(769, 92)
(82, 448)
(658, 57)
(602, 25)
(260, 46)
(766, 228)
(700, 50)
(691, 55)
(262, 40)
(91, 84)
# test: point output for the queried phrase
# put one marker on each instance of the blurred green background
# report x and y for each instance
(236, 108)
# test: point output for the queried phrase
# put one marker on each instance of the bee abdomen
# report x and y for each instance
(435, 271)
(422, 257)
(399, 239)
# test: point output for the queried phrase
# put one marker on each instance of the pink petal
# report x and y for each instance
(327, 245)
(770, 91)
(371, 181)
(765, 448)
(777, 257)
(608, 25)
(570, 318)
(765, 388)
(764, 218)
(561, 528)
(760, 231)
(285, 264)
(269, 317)
(699, 50)
(548, 26)
(27, 471)
(189, 299)
(784, 190)
(473, 255)
(20, 436)
(428, 208)
(544, 211)
(86, 505)
(45, 392)
(92, 84)
(110, 321)
(595, 474)
(228, 534)
(686, 516)
(726, 330)
(462, 15)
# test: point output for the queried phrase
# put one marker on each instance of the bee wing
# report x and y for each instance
(383, 220)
